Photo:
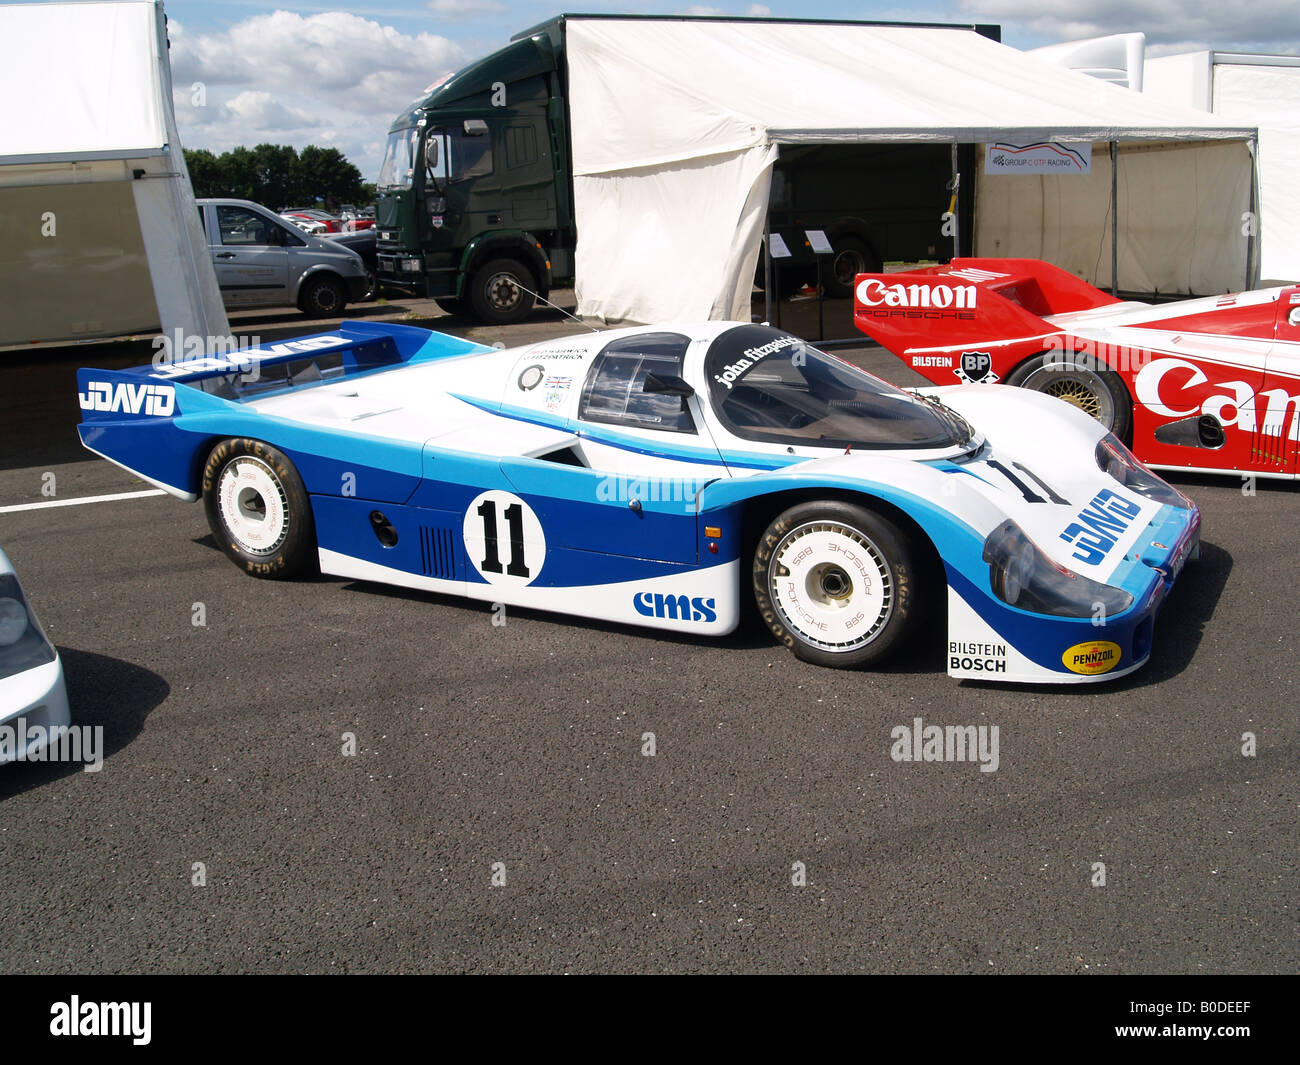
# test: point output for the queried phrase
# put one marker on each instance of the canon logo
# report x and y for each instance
(875, 293)
(1235, 404)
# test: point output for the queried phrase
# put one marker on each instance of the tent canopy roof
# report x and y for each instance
(647, 92)
(82, 81)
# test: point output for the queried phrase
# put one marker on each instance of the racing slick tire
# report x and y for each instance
(852, 256)
(497, 291)
(322, 296)
(1100, 393)
(836, 583)
(258, 509)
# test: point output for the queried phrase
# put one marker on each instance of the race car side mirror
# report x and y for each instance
(667, 385)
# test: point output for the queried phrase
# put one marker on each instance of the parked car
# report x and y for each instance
(332, 223)
(33, 698)
(263, 261)
(365, 244)
(307, 225)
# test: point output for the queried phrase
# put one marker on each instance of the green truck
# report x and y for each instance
(475, 199)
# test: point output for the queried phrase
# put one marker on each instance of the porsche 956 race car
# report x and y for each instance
(1210, 384)
(661, 476)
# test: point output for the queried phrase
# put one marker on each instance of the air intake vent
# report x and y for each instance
(438, 553)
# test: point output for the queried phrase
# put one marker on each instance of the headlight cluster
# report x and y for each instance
(1118, 461)
(1024, 577)
(22, 644)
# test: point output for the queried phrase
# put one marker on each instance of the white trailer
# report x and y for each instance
(99, 230)
(1262, 90)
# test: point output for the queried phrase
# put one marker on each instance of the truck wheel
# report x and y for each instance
(322, 296)
(497, 291)
(258, 509)
(852, 257)
(835, 583)
(1100, 393)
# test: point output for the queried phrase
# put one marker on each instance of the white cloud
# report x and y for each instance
(1268, 25)
(331, 78)
(464, 8)
(261, 110)
(758, 11)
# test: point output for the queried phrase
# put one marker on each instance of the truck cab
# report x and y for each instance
(474, 205)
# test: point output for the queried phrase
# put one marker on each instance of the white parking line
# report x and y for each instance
(83, 499)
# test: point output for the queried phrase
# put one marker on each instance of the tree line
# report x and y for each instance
(278, 175)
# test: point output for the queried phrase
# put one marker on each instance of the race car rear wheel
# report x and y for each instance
(1099, 393)
(258, 509)
(835, 583)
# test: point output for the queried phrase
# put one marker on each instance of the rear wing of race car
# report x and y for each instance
(968, 303)
(152, 419)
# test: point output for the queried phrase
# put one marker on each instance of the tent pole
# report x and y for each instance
(1252, 240)
(767, 268)
(1114, 218)
(956, 205)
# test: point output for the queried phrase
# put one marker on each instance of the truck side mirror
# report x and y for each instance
(431, 153)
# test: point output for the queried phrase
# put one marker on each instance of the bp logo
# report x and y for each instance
(976, 368)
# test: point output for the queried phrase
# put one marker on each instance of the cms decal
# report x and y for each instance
(1176, 388)
(156, 400)
(676, 607)
(1098, 527)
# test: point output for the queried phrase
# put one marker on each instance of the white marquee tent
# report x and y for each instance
(1263, 89)
(676, 125)
(99, 231)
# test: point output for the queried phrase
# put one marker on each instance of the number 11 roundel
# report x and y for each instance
(504, 539)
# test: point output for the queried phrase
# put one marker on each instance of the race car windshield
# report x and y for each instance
(770, 386)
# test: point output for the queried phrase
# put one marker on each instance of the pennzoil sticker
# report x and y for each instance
(1093, 658)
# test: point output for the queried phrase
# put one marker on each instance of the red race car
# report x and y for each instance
(1208, 384)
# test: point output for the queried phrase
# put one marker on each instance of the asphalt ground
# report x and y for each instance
(514, 753)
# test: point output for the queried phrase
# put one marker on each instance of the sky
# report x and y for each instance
(247, 72)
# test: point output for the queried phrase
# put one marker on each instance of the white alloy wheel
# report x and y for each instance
(831, 586)
(253, 505)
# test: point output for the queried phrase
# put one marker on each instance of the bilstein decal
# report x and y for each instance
(1092, 658)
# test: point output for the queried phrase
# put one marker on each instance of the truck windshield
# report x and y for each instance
(398, 168)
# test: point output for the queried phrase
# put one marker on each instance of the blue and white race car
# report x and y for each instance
(662, 475)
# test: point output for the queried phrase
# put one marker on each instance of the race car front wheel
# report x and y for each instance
(835, 583)
(258, 509)
(1100, 393)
